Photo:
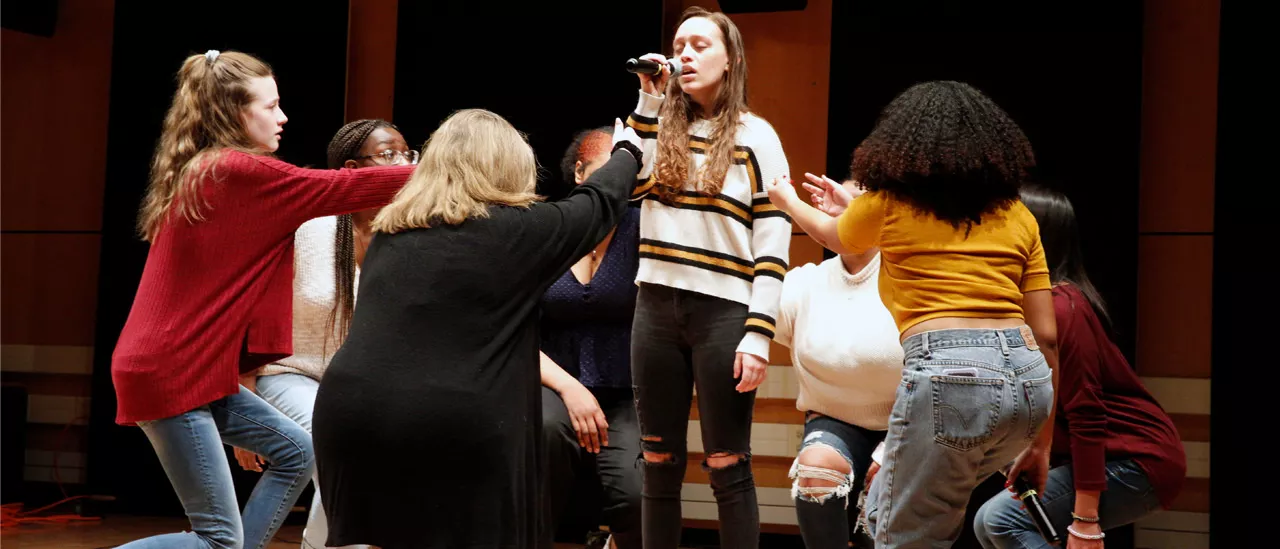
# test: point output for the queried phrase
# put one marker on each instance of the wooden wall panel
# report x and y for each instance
(1179, 115)
(371, 59)
(53, 114)
(1175, 302)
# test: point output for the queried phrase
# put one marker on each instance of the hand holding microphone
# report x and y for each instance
(654, 71)
(1026, 485)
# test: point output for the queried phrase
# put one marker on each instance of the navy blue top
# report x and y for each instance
(586, 328)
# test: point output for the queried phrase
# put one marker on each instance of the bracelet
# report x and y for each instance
(1090, 520)
(1073, 532)
(631, 148)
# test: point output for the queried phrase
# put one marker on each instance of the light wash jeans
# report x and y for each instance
(970, 401)
(1001, 523)
(295, 395)
(189, 446)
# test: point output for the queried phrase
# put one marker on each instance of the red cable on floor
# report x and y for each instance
(11, 514)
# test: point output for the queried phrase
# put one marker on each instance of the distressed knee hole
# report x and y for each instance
(723, 460)
(820, 473)
(659, 457)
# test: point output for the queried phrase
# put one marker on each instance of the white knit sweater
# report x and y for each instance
(733, 245)
(314, 294)
(844, 343)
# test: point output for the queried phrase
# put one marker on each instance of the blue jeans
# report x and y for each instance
(295, 395)
(970, 401)
(189, 446)
(1001, 522)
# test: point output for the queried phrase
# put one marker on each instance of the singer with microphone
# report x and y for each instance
(713, 253)
(1118, 453)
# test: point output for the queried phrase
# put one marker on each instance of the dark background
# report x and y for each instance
(549, 68)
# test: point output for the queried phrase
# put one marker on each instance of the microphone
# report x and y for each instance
(1034, 508)
(645, 66)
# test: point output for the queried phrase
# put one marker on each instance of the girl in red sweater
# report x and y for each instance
(1119, 456)
(215, 298)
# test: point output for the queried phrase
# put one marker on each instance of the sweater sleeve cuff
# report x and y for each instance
(1088, 465)
(649, 105)
(755, 343)
(1036, 282)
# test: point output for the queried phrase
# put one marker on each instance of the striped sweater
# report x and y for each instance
(733, 245)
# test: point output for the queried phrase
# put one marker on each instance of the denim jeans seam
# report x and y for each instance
(206, 479)
(283, 509)
(884, 503)
(1034, 422)
(1031, 366)
(249, 419)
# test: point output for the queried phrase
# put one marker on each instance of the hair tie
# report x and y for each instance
(212, 55)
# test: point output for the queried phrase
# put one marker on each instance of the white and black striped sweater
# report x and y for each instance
(734, 245)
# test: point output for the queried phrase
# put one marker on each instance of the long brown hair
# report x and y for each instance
(344, 146)
(203, 120)
(679, 111)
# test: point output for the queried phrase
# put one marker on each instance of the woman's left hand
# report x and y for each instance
(623, 132)
(250, 381)
(1034, 463)
(782, 193)
(249, 460)
(1088, 529)
(751, 368)
(827, 195)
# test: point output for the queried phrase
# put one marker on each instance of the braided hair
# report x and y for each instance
(344, 146)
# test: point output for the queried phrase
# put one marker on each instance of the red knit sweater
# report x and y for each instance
(1104, 412)
(216, 296)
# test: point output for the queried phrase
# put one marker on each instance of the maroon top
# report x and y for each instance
(1104, 412)
(216, 296)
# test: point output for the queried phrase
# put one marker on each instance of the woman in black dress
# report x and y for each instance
(427, 422)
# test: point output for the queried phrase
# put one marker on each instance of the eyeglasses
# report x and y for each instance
(391, 156)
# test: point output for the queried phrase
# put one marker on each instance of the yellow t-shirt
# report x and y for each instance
(929, 269)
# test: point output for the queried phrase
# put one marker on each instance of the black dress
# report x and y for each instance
(427, 423)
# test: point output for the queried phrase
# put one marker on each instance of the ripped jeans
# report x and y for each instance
(824, 512)
(681, 340)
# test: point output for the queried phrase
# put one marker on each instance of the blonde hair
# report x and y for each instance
(475, 159)
(679, 111)
(203, 120)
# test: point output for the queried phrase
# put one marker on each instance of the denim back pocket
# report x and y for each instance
(966, 409)
(1039, 398)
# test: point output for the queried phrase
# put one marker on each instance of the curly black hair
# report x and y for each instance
(946, 149)
(575, 153)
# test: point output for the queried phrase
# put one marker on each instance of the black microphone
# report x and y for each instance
(1031, 500)
(645, 66)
